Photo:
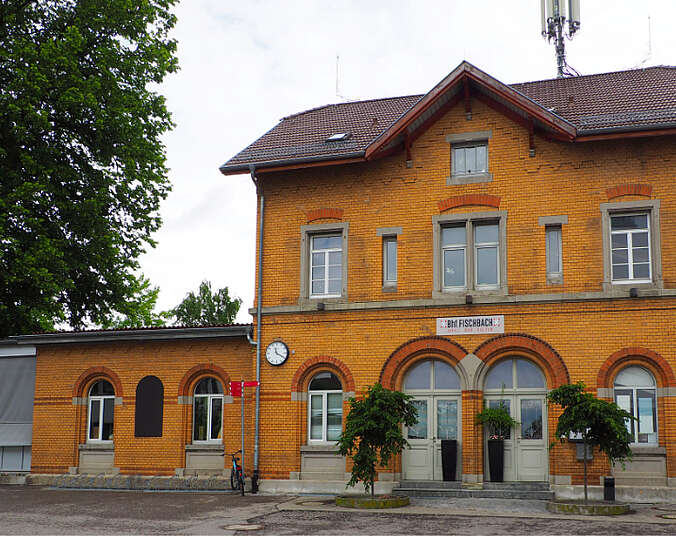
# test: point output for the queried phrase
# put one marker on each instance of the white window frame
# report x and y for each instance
(634, 407)
(651, 207)
(325, 415)
(464, 140)
(390, 281)
(101, 399)
(454, 247)
(456, 148)
(630, 254)
(307, 232)
(485, 245)
(470, 220)
(326, 252)
(210, 398)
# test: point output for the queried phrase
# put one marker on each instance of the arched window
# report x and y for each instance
(208, 411)
(635, 392)
(325, 397)
(101, 410)
(432, 374)
(149, 407)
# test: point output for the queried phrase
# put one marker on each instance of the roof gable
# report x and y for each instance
(636, 102)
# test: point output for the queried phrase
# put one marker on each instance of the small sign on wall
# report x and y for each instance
(469, 325)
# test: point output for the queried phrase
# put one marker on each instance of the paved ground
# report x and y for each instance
(29, 510)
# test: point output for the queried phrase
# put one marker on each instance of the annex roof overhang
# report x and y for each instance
(138, 335)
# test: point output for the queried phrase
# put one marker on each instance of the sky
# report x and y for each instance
(247, 64)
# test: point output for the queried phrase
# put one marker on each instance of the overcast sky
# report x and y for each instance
(247, 64)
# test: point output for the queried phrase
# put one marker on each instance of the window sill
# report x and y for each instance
(554, 279)
(624, 286)
(641, 449)
(469, 179)
(204, 446)
(320, 447)
(389, 287)
(461, 293)
(99, 445)
(319, 299)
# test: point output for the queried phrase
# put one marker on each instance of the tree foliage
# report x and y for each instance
(82, 166)
(601, 424)
(373, 432)
(139, 309)
(206, 308)
(498, 420)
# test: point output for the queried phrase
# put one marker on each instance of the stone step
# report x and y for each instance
(523, 486)
(430, 484)
(476, 493)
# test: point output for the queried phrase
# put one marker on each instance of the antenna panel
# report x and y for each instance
(543, 16)
(549, 13)
(574, 11)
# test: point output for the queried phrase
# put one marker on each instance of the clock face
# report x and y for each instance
(277, 353)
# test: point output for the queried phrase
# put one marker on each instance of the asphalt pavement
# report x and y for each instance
(33, 510)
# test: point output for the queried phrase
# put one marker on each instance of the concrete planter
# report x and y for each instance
(589, 509)
(368, 502)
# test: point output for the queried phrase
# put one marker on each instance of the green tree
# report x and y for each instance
(601, 424)
(82, 166)
(206, 308)
(139, 309)
(373, 432)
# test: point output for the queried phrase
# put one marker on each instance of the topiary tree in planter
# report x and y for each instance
(601, 424)
(373, 432)
(499, 422)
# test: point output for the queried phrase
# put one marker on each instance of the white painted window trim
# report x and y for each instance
(634, 402)
(469, 219)
(630, 254)
(210, 398)
(326, 253)
(307, 232)
(650, 206)
(101, 399)
(325, 416)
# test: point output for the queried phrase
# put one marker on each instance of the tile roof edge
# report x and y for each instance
(348, 103)
(594, 74)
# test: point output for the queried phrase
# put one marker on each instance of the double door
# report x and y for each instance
(438, 419)
(525, 445)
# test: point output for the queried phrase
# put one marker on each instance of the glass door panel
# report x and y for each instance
(447, 419)
(531, 419)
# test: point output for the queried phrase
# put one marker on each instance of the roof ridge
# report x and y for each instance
(350, 102)
(595, 74)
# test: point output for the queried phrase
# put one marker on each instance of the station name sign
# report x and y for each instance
(468, 325)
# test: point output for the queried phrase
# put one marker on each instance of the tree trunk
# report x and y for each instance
(373, 484)
(584, 459)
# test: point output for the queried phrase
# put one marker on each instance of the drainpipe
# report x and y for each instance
(259, 305)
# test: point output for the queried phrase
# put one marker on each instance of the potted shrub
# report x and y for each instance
(498, 421)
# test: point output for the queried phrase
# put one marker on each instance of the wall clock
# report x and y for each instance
(277, 353)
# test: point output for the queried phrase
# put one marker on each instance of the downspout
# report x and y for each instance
(259, 305)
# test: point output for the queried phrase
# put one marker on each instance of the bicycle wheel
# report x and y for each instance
(241, 482)
(234, 480)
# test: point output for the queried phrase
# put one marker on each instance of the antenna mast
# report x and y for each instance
(556, 14)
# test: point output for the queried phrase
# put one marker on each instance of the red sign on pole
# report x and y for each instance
(236, 387)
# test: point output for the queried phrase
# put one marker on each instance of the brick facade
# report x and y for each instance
(573, 331)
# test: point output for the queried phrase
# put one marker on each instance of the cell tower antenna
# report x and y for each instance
(338, 78)
(557, 16)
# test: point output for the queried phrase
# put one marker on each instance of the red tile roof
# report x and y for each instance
(600, 103)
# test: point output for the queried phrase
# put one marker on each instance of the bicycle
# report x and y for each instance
(236, 474)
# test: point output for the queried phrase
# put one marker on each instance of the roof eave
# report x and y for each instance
(236, 169)
(657, 129)
(139, 335)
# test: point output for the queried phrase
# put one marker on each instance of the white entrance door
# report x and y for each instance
(531, 451)
(438, 419)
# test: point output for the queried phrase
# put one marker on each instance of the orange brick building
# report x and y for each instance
(139, 402)
(481, 242)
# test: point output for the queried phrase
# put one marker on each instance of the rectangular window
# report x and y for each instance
(323, 262)
(389, 261)
(469, 158)
(630, 248)
(326, 265)
(326, 416)
(483, 255)
(553, 253)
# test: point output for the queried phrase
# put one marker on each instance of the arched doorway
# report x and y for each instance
(520, 386)
(435, 386)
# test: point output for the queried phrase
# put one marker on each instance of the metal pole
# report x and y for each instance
(242, 384)
(259, 305)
